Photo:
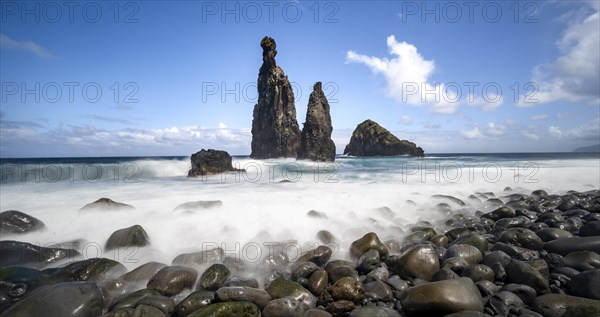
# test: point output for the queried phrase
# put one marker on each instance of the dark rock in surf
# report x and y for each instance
(171, 280)
(371, 139)
(275, 131)
(15, 253)
(77, 299)
(192, 206)
(14, 221)
(106, 204)
(315, 142)
(134, 236)
(207, 162)
(213, 278)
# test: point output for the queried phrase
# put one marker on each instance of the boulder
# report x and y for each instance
(15, 253)
(171, 280)
(77, 299)
(315, 141)
(275, 131)
(134, 236)
(207, 162)
(14, 221)
(371, 139)
(555, 305)
(442, 298)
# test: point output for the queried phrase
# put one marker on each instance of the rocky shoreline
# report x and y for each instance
(534, 254)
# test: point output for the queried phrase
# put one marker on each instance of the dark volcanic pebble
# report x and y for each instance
(582, 260)
(442, 298)
(585, 284)
(193, 302)
(171, 280)
(367, 242)
(257, 296)
(523, 273)
(526, 293)
(565, 246)
(213, 277)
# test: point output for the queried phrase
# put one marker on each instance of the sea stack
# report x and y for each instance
(371, 139)
(315, 142)
(275, 131)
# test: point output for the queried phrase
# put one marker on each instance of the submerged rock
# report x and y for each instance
(206, 162)
(275, 131)
(106, 204)
(192, 206)
(315, 142)
(370, 139)
(14, 221)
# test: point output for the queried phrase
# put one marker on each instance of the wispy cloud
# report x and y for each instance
(27, 46)
(575, 74)
(538, 117)
(109, 119)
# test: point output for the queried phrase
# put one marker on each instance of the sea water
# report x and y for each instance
(265, 208)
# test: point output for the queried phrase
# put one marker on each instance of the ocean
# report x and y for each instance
(266, 207)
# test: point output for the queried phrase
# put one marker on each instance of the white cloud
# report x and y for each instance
(222, 125)
(589, 131)
(555, 132)
(531, 135)
(495, 129)
(407, 75)
(575, 74)
(472, 133)
(407, 67)
(563, 115)
(538, 117)
(28, 46)
(406, 119)
(177, 140)
(491, 130)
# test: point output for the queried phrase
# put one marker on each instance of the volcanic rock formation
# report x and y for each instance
(275, 131)
(371, 139)
(316, 143)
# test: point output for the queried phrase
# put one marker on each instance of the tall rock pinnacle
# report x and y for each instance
(275, 131)
(316, 143)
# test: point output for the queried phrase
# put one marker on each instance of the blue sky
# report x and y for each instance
(169, 78)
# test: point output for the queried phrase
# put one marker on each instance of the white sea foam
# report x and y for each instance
(258, 210)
